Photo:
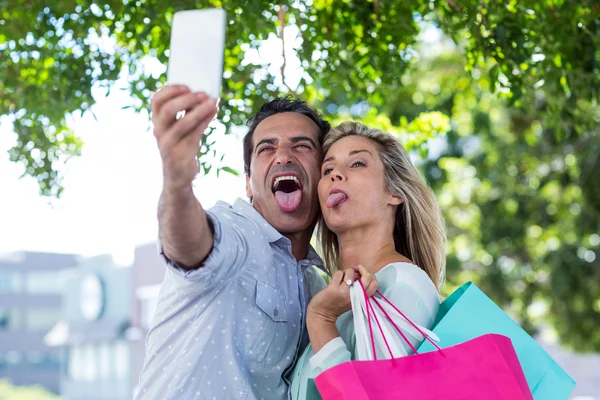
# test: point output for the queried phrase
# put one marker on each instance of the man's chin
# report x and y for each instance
(293, 222)
(300, 219)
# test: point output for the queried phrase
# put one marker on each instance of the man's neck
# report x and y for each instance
(300, 243)
(371, 247)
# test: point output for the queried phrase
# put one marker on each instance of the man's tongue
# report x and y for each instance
(289, 202)
(334, 199)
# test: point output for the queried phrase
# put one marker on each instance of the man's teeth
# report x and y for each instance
(285, 178)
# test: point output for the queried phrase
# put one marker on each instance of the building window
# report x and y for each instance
(75, 363)
(121, 360)
(10, 319)
(11, 282)
(43, 319)
(13, 358)
(52, 361)
(148, 297)
(148, 307)
(46, 282)
(83, 363)
(40, 360)
(104, 361)
(35, 357)
(90, 363)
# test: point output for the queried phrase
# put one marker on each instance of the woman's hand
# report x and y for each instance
(331, 302)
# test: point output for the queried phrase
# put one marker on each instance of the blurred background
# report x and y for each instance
(496, 100)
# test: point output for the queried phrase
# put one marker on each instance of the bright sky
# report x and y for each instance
(111, 191)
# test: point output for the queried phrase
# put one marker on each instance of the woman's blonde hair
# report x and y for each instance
(419, 227)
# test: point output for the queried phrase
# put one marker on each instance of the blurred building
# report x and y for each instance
(93, 333)
(107, 312)
(147, 272)
(31, 289)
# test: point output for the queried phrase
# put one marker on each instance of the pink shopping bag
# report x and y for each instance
(484, 368)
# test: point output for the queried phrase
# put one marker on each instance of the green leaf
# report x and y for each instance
(230, 171)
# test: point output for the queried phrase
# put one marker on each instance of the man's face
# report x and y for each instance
(285, 170)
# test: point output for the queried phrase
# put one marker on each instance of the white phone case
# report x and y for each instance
(197, 47)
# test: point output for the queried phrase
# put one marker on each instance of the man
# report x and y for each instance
(229, 323)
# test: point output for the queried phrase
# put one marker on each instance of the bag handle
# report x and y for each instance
(370, 309)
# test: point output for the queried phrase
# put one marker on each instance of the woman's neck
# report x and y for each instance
(372, 248)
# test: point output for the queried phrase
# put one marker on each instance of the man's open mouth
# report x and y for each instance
(288, 192)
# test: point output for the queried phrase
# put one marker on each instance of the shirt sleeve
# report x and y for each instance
(333, 353)
(232, 233)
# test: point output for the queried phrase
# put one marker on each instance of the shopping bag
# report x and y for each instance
(468, 313)
(484, 368)
(387, 342)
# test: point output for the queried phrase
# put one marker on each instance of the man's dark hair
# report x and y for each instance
(277, 106)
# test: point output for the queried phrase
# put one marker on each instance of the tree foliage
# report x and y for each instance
(512, 84)
(522, 207)
(53, 53)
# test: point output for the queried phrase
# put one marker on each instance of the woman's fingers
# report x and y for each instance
(337, 278)
(368, 280)
(350, 276)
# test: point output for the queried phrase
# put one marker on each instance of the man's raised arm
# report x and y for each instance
(184, 230)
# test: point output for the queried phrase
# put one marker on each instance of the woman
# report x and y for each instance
(380, 215)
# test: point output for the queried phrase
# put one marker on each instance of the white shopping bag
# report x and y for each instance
(380, 323)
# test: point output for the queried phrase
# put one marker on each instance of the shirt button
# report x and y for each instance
(275, 312)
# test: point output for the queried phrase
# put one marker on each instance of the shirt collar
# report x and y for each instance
(312, 258)
(272, 235)
(245, 208)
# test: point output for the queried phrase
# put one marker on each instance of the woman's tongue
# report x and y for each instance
(335, 199)
(289, 202)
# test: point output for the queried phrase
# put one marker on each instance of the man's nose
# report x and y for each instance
(284, 156)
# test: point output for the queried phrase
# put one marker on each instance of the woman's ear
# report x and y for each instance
(395, 200)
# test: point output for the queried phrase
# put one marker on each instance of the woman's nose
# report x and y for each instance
(335, 175)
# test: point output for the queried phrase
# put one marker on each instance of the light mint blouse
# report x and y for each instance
(407, 287)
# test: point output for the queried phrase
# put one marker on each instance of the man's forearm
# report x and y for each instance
(184, 230)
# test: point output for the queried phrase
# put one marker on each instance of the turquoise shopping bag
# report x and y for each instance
(468, 313)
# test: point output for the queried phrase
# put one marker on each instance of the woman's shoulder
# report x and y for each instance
(401, 280)
(405, 273)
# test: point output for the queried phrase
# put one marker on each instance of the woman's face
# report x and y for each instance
(352, 191)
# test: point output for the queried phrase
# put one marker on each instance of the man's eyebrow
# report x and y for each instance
(297, 139)
(265, 141)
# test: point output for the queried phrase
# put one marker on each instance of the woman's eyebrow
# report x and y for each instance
(353, 152)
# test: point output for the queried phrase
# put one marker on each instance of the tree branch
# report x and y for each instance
(454, 5)
(282, 23)
(484, 19)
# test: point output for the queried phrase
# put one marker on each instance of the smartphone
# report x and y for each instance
(197, 49)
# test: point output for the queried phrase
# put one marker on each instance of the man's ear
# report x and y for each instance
(395, 200)
(248, 188)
